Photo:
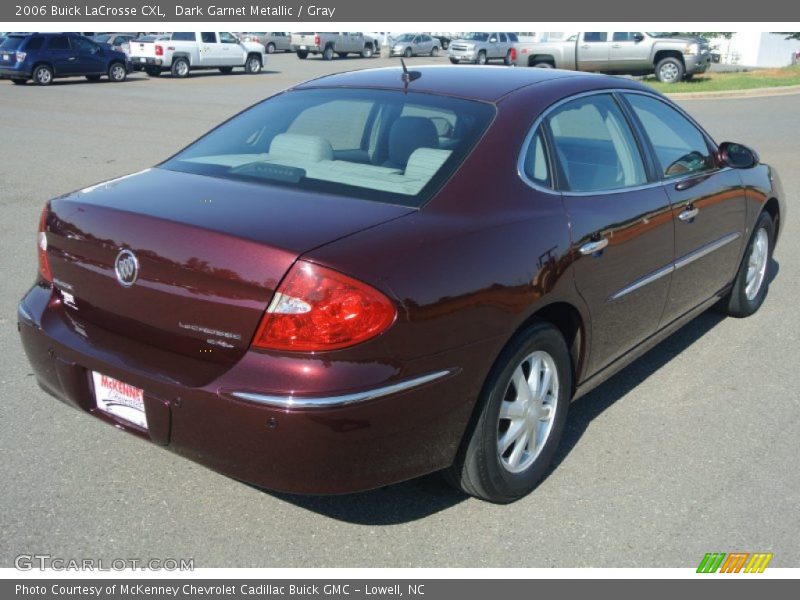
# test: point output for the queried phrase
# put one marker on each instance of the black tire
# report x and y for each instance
(543, 65)
(407, 53)
(367, 52)
(737, 303)
(180, 68)
(669, 70)
(252, 65)
(18, 81)
(435, 51)
(341, 54)
(270, 48)
(327, 54)
(481, 60)
(226, 70)
(43, 75)
(302, 54)
(153, 71)
(117, 73)
(479, 469)
(507, 61)
(455, 61)
(93, 77)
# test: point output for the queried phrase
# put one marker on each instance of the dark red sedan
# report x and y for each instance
(373, 276)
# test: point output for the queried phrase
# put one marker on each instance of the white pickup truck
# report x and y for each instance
(186, 51)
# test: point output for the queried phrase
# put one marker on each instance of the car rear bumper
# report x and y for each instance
(401, 422)
(140, 62)
(15, 72)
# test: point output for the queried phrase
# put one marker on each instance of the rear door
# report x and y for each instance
(709, 204)
(593, 51)
(627, 53)
(210, 54)
(621, 222)
(63, 57)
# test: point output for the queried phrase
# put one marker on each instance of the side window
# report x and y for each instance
(343, 121)
(208, 37)
(595, 146)
(513, 37)
(595, 36)
(535, 165)
(83, 45)
(680, 147)
(622, 36)
(58, 42)
(35, 43)
(503, 38)
(227, 38)
(187, 36)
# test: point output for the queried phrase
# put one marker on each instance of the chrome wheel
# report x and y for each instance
(118, 72)
(527, 412)
(254, 65)
(668, 72)
(182, 68)
(757, 264)
(43, 76)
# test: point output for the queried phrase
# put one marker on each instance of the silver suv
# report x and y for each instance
(479, 47)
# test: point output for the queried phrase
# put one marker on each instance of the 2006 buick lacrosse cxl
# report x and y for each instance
(381, 274)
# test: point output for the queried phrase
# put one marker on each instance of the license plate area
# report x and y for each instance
(119, 399)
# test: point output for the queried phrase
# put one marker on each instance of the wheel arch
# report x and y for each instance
(774, 209)
(541, 58)
(662, 54)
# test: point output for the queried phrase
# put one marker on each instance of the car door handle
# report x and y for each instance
(688, 214)
(594, 246)
(73, 58)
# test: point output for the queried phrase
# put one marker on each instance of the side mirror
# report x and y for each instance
(737, 156)
(638, 37)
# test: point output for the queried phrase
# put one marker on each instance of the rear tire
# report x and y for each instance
(543, 65)
(407, 53)
(180, 68)
(367, 52)
(327, 54)
(481, 60)
(435, 51)
(117, 73)
(302, 54)
(525, 399)
(752, 279)
(507, 60)
(270, 48)
(43, 75)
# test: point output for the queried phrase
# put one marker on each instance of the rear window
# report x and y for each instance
(377, 145)
(58, 42)
(184, 36)
(12, 43)
(35, 43)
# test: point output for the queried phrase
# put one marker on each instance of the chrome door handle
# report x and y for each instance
(593, 247)
(688, 214)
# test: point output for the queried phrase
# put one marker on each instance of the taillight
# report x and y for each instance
(316, 40)
(159, 50)
(513, 53)
(317, 309)
(41, 244)
(21, 56)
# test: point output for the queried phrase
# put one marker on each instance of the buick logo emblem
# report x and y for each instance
(127, 268)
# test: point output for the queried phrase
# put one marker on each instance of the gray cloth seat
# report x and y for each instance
(408, 134)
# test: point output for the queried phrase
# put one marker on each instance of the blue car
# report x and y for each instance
(44, 56)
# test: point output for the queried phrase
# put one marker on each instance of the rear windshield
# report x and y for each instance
(377, 145)
(12, 43)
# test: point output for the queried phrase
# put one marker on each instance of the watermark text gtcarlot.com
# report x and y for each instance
(44, 562)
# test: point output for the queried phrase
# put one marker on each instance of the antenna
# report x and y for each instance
(408, 76)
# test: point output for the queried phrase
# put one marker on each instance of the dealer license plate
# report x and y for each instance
(120, 399)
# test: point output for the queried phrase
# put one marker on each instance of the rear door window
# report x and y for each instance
(34, 43)
(58, 42)
(209, 37)
(184, 36)
(595, 36)
(594, 145)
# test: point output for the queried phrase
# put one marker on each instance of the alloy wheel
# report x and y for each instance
(757, 264)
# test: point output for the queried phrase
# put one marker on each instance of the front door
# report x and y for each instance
(708, 202)
(621, 222)
(231, 52)
(628, 52)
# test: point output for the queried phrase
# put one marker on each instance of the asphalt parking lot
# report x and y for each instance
(692, 449)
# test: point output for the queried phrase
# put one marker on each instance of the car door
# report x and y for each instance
(89, 58)
(620, 219)
(210, 54)
(593, 51)
(231, 52)
(628, 52)
(61, 54)
(709, 204)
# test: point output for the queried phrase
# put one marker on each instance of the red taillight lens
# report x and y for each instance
(41, 245)
(513, 54)
(316, 40)
(317, 309)
(159, 50)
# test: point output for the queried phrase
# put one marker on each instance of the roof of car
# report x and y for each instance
(488, 83)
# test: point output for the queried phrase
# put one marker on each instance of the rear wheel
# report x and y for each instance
(117, 72)
(435, 51)
(180, 68)
(752, 280)
(302, 54)
(669, 70)
(270, 48)
(327, 54)
(43, 75)
(367, 52)
(481, 60)
(253, 65)
(508, 61)
(543, 65)
(226, 70)
(519, 420)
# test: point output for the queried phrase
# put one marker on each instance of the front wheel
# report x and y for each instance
(253, 65)
(435, 51)
(407, 53)
(752, 280)
(520, 418)
(180, 68)
(270, 48)
(481, 58)
(669, 70)
(117, 72)
(367, 52)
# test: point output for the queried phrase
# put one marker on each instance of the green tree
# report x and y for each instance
(790, 35)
